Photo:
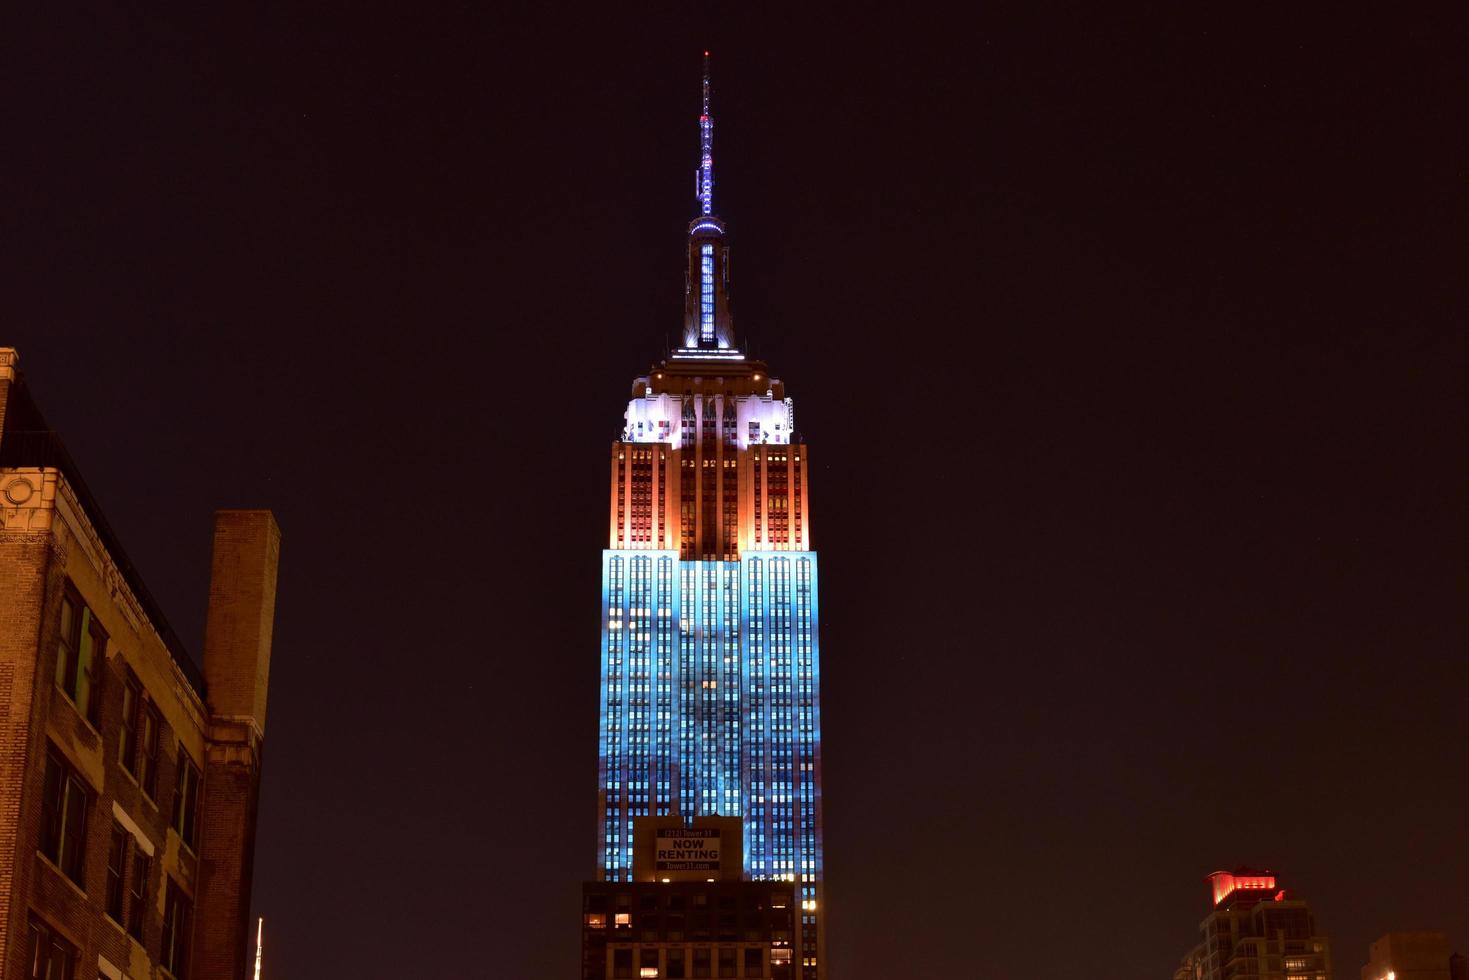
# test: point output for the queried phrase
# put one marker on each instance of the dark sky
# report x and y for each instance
(1128, 346)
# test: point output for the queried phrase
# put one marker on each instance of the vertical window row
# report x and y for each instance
(706, 294)
(757, 481)
(621, 482)
(614, 844)
(689, 690)
(638, 671)
(640, 500)
(782, 749)
(662, 512)
(796, 498)
(756, 731)
(663, 720)
(732, 789)
(709, 728)
(808, 734)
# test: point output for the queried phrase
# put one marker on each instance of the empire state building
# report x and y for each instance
(710, 663)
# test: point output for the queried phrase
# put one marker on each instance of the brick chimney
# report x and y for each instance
(237, 635)
(9, 358)
(247, 546)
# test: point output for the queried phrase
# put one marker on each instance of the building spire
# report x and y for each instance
(705, 179)
(707, 322)
(259, 945)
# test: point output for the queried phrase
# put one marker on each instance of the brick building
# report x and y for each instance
(1420, 955)
(686, 929)
(128, 777)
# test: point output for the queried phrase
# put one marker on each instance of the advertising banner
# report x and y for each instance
(686, 849)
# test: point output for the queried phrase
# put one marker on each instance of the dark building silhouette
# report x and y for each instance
(1421, 955)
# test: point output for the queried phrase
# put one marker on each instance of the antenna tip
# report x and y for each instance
(706, 54)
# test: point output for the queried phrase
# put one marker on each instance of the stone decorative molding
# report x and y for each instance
(234, 741)
(90, 542)
(28, 498)
(40, 499)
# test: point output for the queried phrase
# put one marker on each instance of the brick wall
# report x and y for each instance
(46, 540)
(237, 638)
(8, 360)
(24, 560)
(227, 855)
(237, 631)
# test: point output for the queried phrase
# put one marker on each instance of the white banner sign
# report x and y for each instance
(686, 849)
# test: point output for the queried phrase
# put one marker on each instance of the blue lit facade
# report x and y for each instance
(710, 681)
(710, 652)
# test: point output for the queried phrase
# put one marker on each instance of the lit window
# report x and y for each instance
(706, 293)
(82, 647)
(623, 920)
(596, 920)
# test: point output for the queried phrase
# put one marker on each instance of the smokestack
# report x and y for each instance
(247, 547)
(237, 636)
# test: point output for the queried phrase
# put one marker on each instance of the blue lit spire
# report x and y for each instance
(707, 321)
(704, 180)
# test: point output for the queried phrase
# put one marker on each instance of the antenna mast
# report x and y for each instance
(705, 179)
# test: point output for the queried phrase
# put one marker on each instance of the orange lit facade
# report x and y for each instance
(714, 484)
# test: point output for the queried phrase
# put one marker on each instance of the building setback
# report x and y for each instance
(710, 694)
(1258, 931)
(128, 777)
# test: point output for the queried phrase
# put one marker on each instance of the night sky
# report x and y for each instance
(1129, 349)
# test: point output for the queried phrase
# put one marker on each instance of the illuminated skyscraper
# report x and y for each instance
(1256, 930)
(710, 662)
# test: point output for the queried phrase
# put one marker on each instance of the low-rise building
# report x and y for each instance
(1410, 956)
(128, 775)
(688, 912)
